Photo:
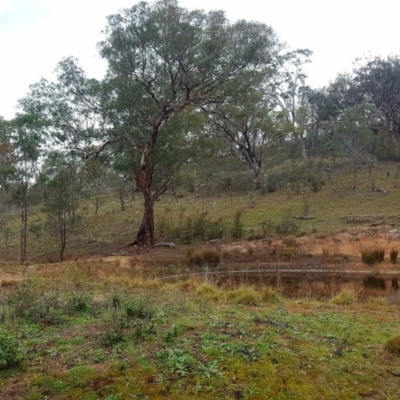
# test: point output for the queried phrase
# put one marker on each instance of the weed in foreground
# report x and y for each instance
(345, 296)
(372, 256)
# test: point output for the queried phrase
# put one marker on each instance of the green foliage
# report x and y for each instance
(178, 361)
(316, 183)
(267, 227)
(128, 318)
(190, 228)
(10, 353)
(286, 225)
(37, 305)
(81, 302)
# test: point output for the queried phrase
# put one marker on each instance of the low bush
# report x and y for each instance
(10, 353)
(38, 305)
(237, 229)
(286, 225)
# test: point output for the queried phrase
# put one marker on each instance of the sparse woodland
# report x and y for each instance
(276, 205)
(191, 103)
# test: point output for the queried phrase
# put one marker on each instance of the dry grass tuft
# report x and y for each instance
(6, 283)
(393, 345)
(268, 295)
(244, 295)
(373, 256)
(345, 296)
(210, 257)
(207, 291)
(325, 251)
(379, 301)
(187, 286)
(393, 256)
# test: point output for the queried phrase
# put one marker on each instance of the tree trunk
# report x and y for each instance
(145, 235)
(63, 233)
(300, 141)
(121, 192)
(24, 232)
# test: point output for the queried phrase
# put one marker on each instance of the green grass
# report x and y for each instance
(205, 342)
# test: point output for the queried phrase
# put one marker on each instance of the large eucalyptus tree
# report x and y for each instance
(165, 65)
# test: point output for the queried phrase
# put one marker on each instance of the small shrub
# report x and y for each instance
(115, 328)
(37, 305)
(346, 296)
(173, 333)
(254, 236)
(139, 308)
(237, 230)
(10, 353)
(372, 256)
(288, 252)
(286, 225)
(198, 227)
(393, 345)
(267, 227)
(316, 183)
(393, 256)
(81, 302)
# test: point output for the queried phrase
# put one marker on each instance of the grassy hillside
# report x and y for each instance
(334, 207)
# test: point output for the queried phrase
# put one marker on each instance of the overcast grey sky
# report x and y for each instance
(36, 34)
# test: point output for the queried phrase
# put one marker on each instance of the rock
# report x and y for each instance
(169, 245)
